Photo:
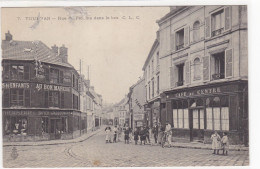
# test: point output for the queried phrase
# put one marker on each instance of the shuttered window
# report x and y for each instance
(229, 63)
(206, 69)
(187, 69)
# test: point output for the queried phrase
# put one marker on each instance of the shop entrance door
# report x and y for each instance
(197, 129)
(55, 129)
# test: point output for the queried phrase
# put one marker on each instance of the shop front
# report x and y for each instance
(153, 110)
(139, 120)
(195, 113)
(39, 125)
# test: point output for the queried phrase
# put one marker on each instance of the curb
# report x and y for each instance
(72, 142)
(206, 148)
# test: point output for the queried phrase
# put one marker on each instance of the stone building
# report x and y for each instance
(204, 71)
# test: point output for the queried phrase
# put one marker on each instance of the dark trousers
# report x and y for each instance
(147, 138)
(114, 138)
(155, 137)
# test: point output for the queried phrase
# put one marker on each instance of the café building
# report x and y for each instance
(40, 92)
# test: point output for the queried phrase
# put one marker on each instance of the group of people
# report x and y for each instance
(219, 143)
(116, 134)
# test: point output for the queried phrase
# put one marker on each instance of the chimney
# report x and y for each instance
(64, 54)
(8, 36)
(55, 49)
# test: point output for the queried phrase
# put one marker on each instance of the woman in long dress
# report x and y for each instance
(108, 134)
(216, 144)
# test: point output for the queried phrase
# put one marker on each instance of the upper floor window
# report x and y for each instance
(152, 88)
(53, 99)
(17, 72)
(197, 69)
(180, 39)
(218, 71)
(17, 97)
(196, 31)
(157, 58)
(217, 22)
(152, 66)
(54, 75)
(180, 74)
(158, 86)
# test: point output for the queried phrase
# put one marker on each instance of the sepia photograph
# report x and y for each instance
(125, 86)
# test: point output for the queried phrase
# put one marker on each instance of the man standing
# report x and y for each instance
(155, 132)
(115, 134)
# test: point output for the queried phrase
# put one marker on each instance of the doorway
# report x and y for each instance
(55, 131)
(197, 128)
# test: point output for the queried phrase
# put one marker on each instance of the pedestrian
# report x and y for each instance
(108, 134)
(161, 133)
(168, 130)
(142, 134)
(147, 134)
(115, 134)
(225, 143)
(127, 132)
(215, 142)
(119, 133)
(155, 132)
(136, 133)
(130, 134)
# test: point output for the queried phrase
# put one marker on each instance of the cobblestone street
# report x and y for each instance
(95, 152)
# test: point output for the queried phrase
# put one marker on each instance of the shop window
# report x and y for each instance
(219, 66)
(45, 122)
(196, 31)
(197, 69)
(6, 98)
(17, 97)
(64, 124)
(180, 39)
(217, 23)
(53, 99)
(180, 74)
(180, 114)
(54, 76)
(16, 125)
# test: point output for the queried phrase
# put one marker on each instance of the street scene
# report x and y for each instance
(125, 86)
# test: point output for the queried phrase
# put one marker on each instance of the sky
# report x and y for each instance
(113, 41)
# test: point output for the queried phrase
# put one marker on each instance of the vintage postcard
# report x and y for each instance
(128, 86)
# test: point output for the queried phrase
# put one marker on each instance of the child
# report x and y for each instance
(108, 130)
(225, 143)
(136, 133)
(215, 142)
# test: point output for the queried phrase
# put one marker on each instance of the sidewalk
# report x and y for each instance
(54, 142)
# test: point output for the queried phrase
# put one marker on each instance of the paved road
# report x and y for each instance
(95, 152)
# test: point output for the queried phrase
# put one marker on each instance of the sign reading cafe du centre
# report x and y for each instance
(38, 86)
(198, 92)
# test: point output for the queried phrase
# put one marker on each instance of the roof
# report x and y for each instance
(172, 12)
(30, 50)
(155, 45)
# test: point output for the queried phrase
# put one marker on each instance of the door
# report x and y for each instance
(197, 129)
(55, 132)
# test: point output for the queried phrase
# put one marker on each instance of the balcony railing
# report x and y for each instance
(217, 32)
(180, 46)
(180, 83)
(218, 76)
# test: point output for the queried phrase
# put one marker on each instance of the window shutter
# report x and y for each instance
(6, 98)
(206, 69)
(227, 18)
(46, 99)
(61, 76)
(47, 74)
(27, 98)
(186, 36)
(187, 69)
(229, 63)
(172, 81)
(172, 42)
(62, 100)
(207, 27)
(6, 74)
(26, 72)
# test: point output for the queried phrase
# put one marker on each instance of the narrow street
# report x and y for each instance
(95, 152)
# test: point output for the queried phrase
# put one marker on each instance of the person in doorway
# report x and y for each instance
(115, 134)
(155, 132)
(168, 130)
(215, 142)
(225, 143)
(136, 133)
(127, 132)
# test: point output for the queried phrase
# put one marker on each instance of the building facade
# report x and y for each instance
(40, 92)
(151, 70)
(204, 71)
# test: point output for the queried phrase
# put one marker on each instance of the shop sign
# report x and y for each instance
(138, 116)
(18, 113)
(53, 113)
(29, 113)
(38, 86)
(198, 92)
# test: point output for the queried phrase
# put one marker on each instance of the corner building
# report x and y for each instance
(40, 92)
(204, 71)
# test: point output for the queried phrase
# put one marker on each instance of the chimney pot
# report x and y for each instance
(8, 36)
